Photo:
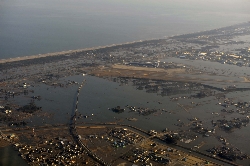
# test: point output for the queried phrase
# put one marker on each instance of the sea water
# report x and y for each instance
(35, 27)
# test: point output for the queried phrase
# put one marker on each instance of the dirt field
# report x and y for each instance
(139, 72)
(176, 74)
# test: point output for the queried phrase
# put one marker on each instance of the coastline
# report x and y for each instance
(9, 60)
(29, 57)
(187, 89)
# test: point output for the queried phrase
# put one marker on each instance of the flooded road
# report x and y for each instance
(173, 110)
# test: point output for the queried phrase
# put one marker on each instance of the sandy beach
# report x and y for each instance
(69, 52)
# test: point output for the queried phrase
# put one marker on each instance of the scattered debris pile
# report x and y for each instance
(30, 108)
(228, 153)
(118, 109)
(172, 138)
(141, 110)
(230, 125)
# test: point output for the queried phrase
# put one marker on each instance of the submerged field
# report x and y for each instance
(188, 85)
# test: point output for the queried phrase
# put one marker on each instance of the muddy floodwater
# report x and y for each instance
(10, 157)
(98, 96)
(200, 99)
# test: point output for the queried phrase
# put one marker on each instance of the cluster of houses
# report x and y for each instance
(217, 56)
(58, 151)
(147, 157)
(125, 137)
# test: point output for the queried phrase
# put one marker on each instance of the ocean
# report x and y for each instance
(35, 27)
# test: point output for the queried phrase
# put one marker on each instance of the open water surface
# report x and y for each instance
(30, 27)
(98, 96)
(10, 157)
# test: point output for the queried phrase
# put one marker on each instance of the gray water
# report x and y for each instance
(34, 27)
(10, 157)
(99, 95)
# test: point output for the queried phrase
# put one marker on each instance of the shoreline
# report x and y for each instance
(28, 57)
(193, 90)
(9, 60)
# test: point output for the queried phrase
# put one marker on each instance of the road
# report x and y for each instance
(73, 132)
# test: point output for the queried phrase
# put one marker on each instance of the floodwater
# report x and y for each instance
(218, 71)
(10, 157)
(98, 96)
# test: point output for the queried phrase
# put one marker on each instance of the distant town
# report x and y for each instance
(187, 102)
